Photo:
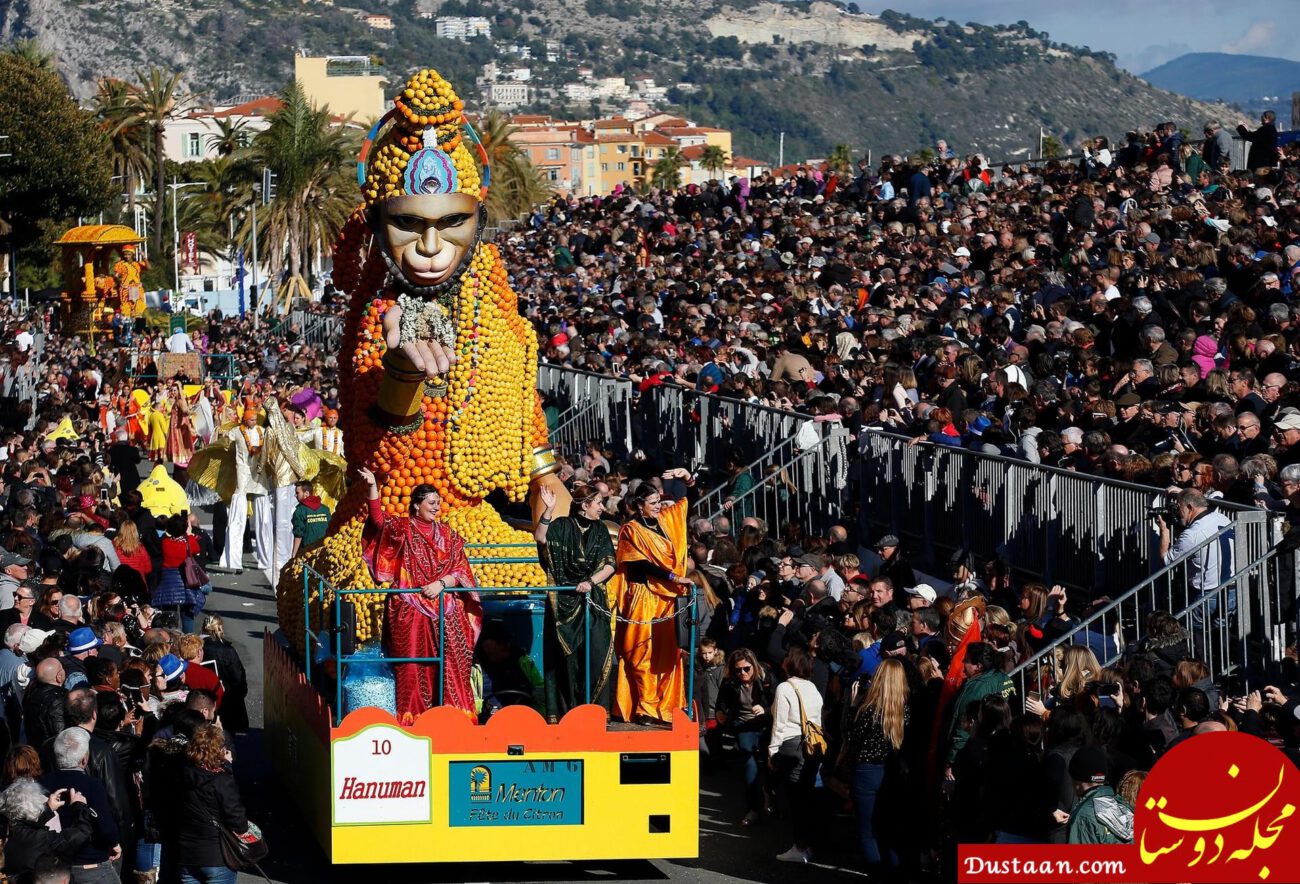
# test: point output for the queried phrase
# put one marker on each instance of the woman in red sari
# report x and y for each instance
(427, 557)
(651, 573)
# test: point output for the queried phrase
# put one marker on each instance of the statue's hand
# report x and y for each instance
(430, 357)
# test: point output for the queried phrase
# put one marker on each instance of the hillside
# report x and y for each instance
(816, 72)
(1251, 81)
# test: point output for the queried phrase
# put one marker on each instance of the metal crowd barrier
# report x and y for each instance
(317, 329)
(1240, 628)
(810, 492)
(702, 428)
(333, 639)
(1117, 624)
(1057, 526)
(1091, 534)
(26, 378)
(593, 407)
(697, 427)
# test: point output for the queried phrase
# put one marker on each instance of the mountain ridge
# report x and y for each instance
(1246, 80)
(819, 73)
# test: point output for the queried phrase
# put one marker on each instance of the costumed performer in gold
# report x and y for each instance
(651, 560)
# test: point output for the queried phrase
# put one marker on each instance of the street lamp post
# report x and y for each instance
(257, 291)
(175, 188)
(263, 191)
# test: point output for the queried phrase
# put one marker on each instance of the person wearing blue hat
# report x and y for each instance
(169, 679)
(82, 643)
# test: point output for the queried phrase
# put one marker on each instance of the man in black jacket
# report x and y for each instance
(124, 458)
(81, 710)
(94, 863)
(43, 704)
(1263, 142)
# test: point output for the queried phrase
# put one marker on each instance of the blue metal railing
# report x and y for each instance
(311, 638)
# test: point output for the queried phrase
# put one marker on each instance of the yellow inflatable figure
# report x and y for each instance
(163, 495)
(438, 368)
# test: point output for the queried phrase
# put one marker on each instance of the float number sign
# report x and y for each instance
(532, 792)
(381, 776)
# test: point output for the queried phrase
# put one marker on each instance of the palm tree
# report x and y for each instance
(841, 160)
(316, 187)
(157, 96)
(124, 127)
(667, 172)
(713, 159)
(231, 135)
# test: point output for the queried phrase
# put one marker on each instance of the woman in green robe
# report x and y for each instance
(576, 551)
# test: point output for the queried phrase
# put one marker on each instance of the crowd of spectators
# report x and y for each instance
(1128, 315)
(1091, 315)
(118, 726)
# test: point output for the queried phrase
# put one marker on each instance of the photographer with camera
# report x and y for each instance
(1210, 562)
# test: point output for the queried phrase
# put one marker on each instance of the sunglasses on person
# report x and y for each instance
(744, 668)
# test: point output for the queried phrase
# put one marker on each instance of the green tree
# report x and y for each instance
(59, 165)
(667, 172)
(840, 160)
(123, 125)
(212, 210)
(713, 159)
(1052, 147)
(231, 135)
(316, 186)
(157, 96)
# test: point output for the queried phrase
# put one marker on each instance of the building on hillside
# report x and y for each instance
(612, 87)
(578, 92)
(690, 136)
(379, 22)
(194, 137)
(506, 95)
(561, 152)
(658, 121)
(349, 85)
(593, 157)
(462, 27)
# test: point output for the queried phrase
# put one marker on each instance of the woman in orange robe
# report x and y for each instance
(651, 573)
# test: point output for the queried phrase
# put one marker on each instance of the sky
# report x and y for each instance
(1143, 34)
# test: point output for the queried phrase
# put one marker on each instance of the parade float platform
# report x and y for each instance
(448, 789)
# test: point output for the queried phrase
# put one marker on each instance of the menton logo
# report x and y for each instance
(480, 784)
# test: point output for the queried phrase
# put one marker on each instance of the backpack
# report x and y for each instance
(814, 741)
